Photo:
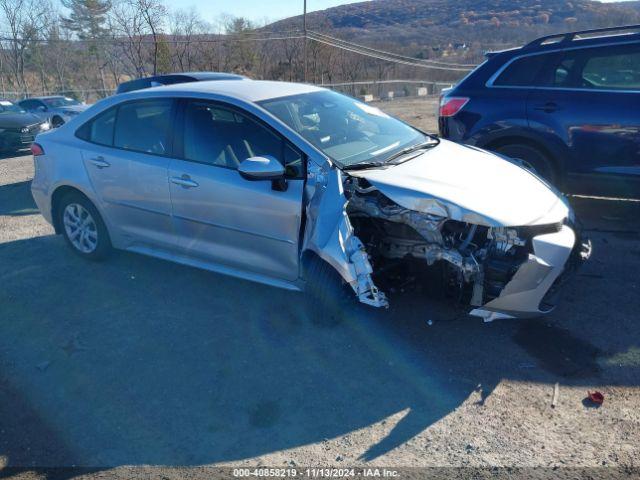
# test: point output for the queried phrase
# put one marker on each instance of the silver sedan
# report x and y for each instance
(55, 109)
(303, 188)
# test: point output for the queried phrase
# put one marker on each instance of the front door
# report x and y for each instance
(221, 218)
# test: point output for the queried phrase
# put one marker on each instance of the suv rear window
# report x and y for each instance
(521, 72)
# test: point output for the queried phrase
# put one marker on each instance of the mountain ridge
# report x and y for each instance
(413, 25)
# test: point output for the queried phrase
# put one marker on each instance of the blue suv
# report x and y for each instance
(567, 104)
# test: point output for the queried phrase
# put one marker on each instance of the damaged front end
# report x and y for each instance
(499, 272)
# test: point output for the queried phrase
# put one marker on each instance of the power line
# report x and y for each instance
(388, 58)
(391, 54)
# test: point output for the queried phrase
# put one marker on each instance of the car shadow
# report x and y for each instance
(137, 361)
(16, 199)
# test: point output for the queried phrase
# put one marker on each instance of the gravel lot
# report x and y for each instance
(137, 361)
(418, 111)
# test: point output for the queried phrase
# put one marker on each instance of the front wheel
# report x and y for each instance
(329, 299)
(534, 157)
(83, 228)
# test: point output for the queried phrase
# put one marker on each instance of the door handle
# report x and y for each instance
(548, 107)
(184, 181)
(100, 162)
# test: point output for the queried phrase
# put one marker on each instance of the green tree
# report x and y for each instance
(87, 19)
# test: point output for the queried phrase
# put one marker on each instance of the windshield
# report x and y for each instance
(7, 107)
(346, 130)
(58, 102)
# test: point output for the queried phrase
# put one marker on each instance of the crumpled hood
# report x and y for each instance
(469, 185)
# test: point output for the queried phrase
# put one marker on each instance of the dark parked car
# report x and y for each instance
(173, 78)
(18, 128)
(568, 104)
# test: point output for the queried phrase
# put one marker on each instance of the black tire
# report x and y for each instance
(329, 299)
(57, 122)
(534, 157)
(103, 242)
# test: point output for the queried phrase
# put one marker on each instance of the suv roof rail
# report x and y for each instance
(173, 78)
(570, 36)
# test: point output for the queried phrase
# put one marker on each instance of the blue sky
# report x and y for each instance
(255, 9)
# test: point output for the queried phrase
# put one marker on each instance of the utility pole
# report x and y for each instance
(304, 29)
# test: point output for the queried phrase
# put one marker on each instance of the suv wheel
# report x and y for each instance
(531, 155)
(329, 298)
(83, 228)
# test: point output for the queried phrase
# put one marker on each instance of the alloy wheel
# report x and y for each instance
(80, 228)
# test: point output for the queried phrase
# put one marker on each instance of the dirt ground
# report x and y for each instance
(137, 361)
(421, 112)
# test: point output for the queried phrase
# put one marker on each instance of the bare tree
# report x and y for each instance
(153, 13)
(26, 20)
(127, 27)
(185, 27)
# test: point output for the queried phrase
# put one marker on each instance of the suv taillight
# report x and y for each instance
(37, 149)
(449, 106)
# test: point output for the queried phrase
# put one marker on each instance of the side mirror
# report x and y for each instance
(261, 168)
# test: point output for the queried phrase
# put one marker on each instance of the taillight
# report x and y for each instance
(449, 106)
(37, 150)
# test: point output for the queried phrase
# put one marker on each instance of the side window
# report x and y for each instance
(221, 136)
(563, 73)
(608, 68)
(522, 72)
(99, 129)
(144, 126)
(612, 69)
(28, 104)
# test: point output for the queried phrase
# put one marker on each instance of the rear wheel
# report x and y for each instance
(531, 155)
(82, 227)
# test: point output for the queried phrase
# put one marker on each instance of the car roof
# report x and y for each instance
(248, 90)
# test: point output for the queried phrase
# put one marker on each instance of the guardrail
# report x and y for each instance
(388, 89)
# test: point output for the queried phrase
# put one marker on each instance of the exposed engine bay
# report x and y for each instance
(439, 223)
(472, 263)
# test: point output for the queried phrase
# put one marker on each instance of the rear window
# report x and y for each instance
(522, 72)
(144, 126)
(99, 129)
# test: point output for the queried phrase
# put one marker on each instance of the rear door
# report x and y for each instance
(127, 159)
(591, 98)
(222, 218)
(500, 109)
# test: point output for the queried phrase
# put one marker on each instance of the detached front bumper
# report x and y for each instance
(533, 288)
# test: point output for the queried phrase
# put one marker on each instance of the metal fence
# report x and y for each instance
(371, 89)
(387, 89)
(89, 96)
